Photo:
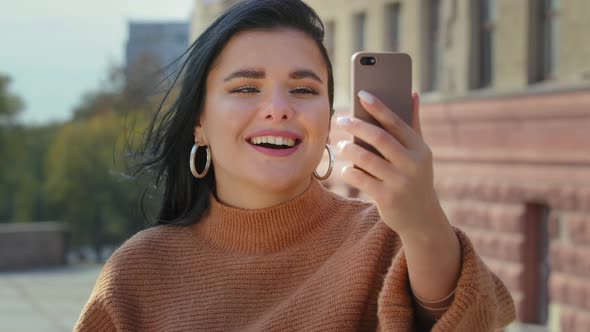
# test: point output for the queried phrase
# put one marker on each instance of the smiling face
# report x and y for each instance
(266, 116)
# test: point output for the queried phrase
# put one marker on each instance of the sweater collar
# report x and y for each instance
(268, 229)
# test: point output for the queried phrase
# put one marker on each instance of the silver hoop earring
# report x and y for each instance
(192, 162)
(330, 167)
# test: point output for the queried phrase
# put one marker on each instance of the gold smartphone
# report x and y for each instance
(387, 76)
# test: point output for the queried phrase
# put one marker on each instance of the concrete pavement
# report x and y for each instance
(45, 300)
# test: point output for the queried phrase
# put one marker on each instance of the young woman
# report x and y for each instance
(248, 239)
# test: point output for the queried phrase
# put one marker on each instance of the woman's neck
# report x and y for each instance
(248, 196)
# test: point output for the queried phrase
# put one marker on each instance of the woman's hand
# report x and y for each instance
(400, 182)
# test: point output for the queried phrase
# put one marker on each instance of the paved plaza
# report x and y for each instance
(48, 300)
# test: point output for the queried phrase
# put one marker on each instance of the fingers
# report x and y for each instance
(390, 121)
(404, 151)
(371, 163)
(361, 180)
(385, 143)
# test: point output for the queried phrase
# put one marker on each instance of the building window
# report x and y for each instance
(392, 24)
(483, 43)
(545, 34)
(536, 265)
(432, 46)
(330, 39)
(359, 26)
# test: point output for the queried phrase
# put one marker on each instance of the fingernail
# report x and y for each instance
(343, 120)
(366, 97)
(344, 169)
(340, 146)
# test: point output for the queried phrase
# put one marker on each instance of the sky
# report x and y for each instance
(57, 50)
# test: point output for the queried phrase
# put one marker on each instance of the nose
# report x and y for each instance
(278, 108)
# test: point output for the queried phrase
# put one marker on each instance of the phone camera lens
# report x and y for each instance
(368, 61)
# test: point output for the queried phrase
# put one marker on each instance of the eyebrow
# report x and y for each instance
(304, 73)
(245, 73)
(259, 74)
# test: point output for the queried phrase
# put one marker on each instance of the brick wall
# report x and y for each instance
(510, 171)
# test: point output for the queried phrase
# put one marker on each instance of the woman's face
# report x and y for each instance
(266, 113)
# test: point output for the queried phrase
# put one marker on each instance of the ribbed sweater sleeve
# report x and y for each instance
(481, 301)
(97, 314)
(95, 317)
(113, 305)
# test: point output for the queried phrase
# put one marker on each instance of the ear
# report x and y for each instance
(199, 134)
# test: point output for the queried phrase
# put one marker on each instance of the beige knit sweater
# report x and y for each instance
(319, 262)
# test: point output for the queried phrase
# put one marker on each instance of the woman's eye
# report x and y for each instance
(305, 90)
(245, 89)
(253, 89)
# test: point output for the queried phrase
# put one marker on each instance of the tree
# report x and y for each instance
(87, 164)
(10, 104)
(87, 182)
(13, 149)
(76, 171)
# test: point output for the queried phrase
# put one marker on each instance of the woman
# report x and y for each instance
(249, 240)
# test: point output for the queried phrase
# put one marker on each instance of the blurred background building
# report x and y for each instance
(505, 91)
(152, 46)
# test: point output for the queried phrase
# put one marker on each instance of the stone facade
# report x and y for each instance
(512, 161)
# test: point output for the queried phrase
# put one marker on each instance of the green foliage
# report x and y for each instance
(76, 171)
(10, 104)
(86, 179)
(13, 145)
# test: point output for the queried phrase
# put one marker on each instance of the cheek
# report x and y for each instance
(226, 120)
(317, 118)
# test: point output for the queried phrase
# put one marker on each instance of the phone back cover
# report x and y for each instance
(389, 79)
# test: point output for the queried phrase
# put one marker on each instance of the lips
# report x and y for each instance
(274, 143)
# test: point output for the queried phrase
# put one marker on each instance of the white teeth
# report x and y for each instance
(288, 141)
(276, 140)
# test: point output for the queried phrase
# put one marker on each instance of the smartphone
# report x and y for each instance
(387, 76)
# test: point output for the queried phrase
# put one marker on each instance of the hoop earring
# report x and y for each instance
(330, 167)
(192, 162)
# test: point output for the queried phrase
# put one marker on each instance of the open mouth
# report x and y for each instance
(277, 143)
(274, 146)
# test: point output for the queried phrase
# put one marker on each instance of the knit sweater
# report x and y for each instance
(319, 262)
